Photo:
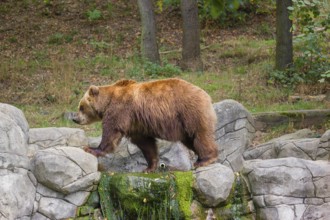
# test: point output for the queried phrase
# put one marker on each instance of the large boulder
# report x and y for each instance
(129, 158)
(17, 193)
(300, 144)
(66, 169)
(17, 116)
(18, 184)
(234, 132)
(43, 138)
(213, 184)
(289, 188)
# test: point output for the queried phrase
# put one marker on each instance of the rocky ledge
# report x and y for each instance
(44, 173)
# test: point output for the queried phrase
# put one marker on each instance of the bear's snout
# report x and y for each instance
(73, 116)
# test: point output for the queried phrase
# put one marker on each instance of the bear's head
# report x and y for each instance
(89, 111)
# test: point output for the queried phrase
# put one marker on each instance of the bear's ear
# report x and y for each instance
(93, 91)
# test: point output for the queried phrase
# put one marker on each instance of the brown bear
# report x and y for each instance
(170, 109)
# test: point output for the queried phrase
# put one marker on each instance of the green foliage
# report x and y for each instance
(56, 38)
(288, 78)
(226, 12)
(59, 38)
(155, 70)
(94, 15)
(231, 12)
(312, 61)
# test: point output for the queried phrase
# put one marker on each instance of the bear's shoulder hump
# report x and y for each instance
(124, 82)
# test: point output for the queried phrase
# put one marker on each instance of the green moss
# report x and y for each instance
(139, 196)
(85, 210)
(105, 200)
(293, 115)
(184, 182)
(93, 200)
(236, 206)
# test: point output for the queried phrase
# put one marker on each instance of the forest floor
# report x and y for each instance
(51, 51)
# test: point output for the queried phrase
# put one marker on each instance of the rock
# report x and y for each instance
(17, 116)
(17, 193)
(234, 132)
(145, 196)
(13, 139)
(38, 216)
(18, 185)
(77, 198)
(289, 188)
(323, 152)
(300, 134)
(213, 184)
(288, 146)
(128, 157)
(42, 138)
(56, 208)
(65, 169)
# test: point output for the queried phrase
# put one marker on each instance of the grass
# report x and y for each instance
(48, 80)
(241, 75)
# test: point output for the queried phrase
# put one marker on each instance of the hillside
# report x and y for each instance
(51, 51)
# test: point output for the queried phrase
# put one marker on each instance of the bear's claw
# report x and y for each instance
(95, 151)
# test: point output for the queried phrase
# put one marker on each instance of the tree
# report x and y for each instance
(284, 51)
(191, 58)
(149, 46)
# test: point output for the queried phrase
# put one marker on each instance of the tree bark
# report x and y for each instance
(191, 58)
(149, 46)
(284, 51)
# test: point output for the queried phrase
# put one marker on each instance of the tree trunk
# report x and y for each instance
(284, 51)
(191, 58)
(149, 46)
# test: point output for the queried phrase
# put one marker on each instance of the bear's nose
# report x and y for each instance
(72, 116)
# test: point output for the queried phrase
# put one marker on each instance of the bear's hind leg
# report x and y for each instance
(149, 149)
(206, 150)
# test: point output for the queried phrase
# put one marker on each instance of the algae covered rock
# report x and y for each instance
(143, 196)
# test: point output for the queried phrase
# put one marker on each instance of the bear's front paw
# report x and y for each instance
(95, 151)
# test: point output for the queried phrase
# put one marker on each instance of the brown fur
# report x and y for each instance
(170, 109)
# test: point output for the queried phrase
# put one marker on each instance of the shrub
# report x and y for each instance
(94, 15)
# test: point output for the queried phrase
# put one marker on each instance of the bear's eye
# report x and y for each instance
(81, 108)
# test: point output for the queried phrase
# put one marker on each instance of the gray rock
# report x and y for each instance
(42, 138)
(213, 184)
(17, 116)
(234, 132)
(77, 198)
(13, 138)
(300, 134)
(17, 194)
(317, 212)
(289, 188)
(38, 216)
(306, 148)
(323, 152)
(128, 157)
(65, 169)
(281, 177)
(56, 208)
(46, 192)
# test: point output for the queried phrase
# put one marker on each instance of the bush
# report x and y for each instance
(155, 70)
(94, 15)
(311, 50)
